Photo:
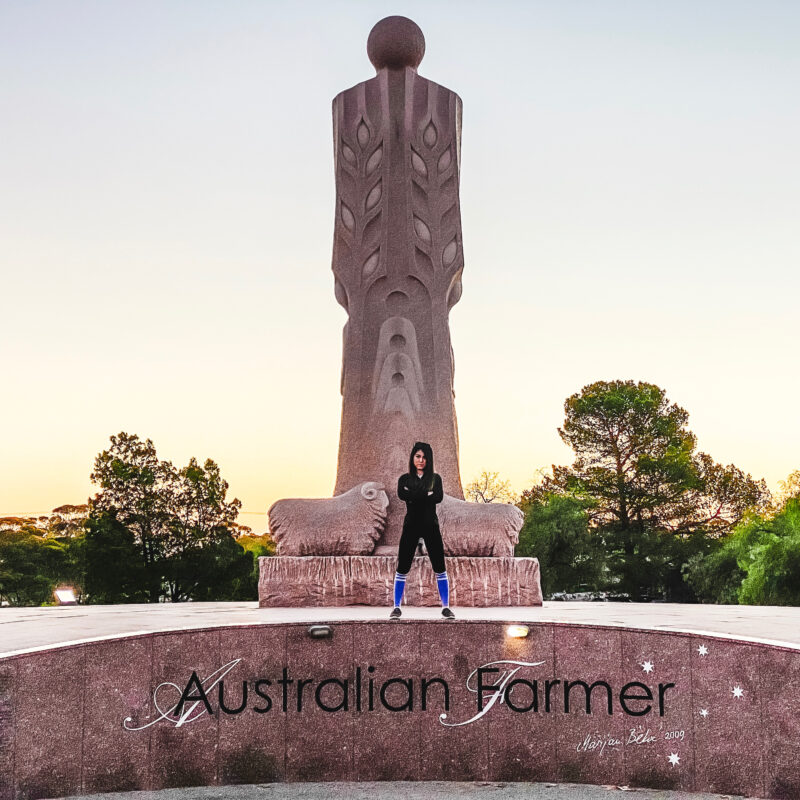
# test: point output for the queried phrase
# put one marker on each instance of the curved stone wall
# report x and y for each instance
(402, 701)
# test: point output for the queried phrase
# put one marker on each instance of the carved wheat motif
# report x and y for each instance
(434, 197)
(360, 188)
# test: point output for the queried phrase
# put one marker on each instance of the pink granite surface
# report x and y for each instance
(319, 743)
(185, 756)
(595, 654)
(251, 753)
(368, 580)
(453, 753)
(690, 712)
(48, 703)
(647, 763)
(8, 674)
(516, 749)
(113, 760)
(734, 723)
(779, 682)
(382, 749)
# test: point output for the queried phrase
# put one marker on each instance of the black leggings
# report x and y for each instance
(432, 537)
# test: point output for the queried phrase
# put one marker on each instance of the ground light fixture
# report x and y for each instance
(320, 631)
(517, 631)
(65, 596)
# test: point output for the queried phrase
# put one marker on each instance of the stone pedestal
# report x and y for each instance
(369, 580)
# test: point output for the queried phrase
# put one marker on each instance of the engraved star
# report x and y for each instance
(674, 759)
(703, 712)
(738, 692)
(702, 650)
(647, 666)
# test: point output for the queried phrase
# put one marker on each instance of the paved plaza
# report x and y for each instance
(423, 790)
(24, 629)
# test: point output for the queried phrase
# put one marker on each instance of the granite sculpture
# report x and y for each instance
(479, 529)
(397, 264)
(348, 524)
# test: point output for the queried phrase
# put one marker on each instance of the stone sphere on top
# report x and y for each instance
(395, 42)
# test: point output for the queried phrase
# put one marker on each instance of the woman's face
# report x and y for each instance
(420, 461)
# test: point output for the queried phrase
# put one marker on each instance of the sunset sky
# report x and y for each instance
(630, 205)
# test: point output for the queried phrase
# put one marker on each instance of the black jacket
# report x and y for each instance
(420, 505)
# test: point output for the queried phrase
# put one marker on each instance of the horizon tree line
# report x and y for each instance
(639, 515)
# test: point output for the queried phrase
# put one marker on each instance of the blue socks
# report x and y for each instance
(444, 588)
(399, 588)
(442, 584)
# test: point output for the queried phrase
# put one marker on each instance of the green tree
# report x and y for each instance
(652, 500)
(768, 551)
(108, 542)
(715, 577)
(201, 528)
(759, 563)
(31, 566)
(556, 531)
(258, 545)
(137, 489)
(263, 545)
(217, 570)
(180, 523)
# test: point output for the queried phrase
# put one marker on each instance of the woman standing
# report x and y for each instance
(421, 489)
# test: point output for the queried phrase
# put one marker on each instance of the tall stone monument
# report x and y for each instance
(397, 264)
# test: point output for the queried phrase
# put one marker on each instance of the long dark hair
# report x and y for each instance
(427, 473)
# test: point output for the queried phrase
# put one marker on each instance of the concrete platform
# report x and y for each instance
(29, 629)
